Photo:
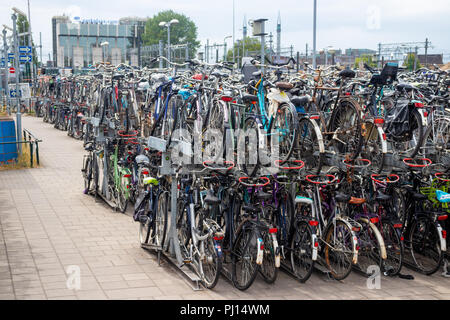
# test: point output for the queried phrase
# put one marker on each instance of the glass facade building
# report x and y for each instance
(79, 44)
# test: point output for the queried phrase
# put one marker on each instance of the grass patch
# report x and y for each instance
(23, 161)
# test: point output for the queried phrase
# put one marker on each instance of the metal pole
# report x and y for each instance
(168, 42)
(207, 51)
(187, 52)
(234, 61)
(262, 47)
(40, 47)
(16, 63)
(415, 59)
(298, 60)
(314, 35)
(30, 43)
(379, 55)
(426, 52)
(160, 53)
(5, 54)
(278, 37)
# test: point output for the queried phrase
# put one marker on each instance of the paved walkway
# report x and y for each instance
(47, 225)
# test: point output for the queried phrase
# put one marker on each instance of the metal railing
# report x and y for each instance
(32, 141)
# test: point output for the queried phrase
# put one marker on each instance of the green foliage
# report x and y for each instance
(183, 32)
(409, 62)
(250, 45)
(365, 58)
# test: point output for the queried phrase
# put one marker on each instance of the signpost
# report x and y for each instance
(25, 49)
(25, 59)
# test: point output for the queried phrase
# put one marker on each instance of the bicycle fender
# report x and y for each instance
(378, 236)
(314, 248)
(260, 254)
(382, 139)
(319, 136)
(442, 240)
(275, 248)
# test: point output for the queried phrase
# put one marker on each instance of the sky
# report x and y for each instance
(340, 24)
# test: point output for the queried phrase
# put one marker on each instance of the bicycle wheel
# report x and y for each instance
(339, 250)
(244, 269)
(145, 230)
(268, 269)
(248, 147)
(285, 126)
(122, 200)
(372, 148)
(211, 264)
(425, 245)
(410, 143)
(308, 146)
(183, 227)
(394, 249)
(302, 263)
(369, 253)
(437, 139)
(161, 219)
(87, 174)
(345, 122)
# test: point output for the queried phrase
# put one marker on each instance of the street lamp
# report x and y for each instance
(19, 12)
(225, 47)
(167, 24)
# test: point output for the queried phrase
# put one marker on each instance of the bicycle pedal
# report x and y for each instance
(187, 262)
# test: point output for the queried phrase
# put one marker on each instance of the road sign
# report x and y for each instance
(3, 64)
(26, 58)
(25, 49)
(13, 93)
(12, 70)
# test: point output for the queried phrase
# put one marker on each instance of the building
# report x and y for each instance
(79, 42)
(431, 59)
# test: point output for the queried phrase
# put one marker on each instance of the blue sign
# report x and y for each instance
(3, 64)
(13, 93)
(26, 58)
(25, 49)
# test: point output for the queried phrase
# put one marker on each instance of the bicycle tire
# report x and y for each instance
(329, 253)
(418, 232)
(301, 248)
(243, 246)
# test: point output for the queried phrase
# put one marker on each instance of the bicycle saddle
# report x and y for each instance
(249, 208)
(211, 199)
(357, 201)
(442, 196)
(300, 101)
(249, 98)
(404, 87)
(261, 195)
(284, 85)
(381, 197)
(256, 73)
(341, 197)
(347, 73)
(118, 77)
(418, 196)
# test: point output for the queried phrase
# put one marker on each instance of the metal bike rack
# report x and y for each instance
(172, 245)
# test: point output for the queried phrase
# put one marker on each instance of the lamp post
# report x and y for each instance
(225, 47)
(5, 56)
(314, 34)
(16, 65)
(167, 25)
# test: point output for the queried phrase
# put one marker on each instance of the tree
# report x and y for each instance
(365, 58)
(409, 62)
(185, 31)
(22, 27)
(251, 46)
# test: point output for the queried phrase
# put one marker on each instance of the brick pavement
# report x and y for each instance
(48, 224)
